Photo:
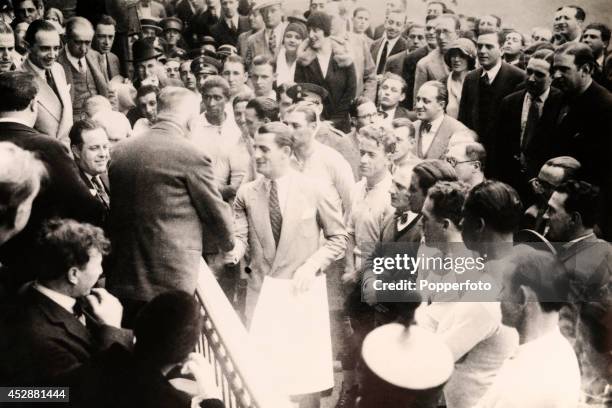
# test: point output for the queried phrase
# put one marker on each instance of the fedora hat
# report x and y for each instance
(265, 3)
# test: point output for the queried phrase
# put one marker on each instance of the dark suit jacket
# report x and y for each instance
(584, 133)
(110, 69)
(165, 203)
(42, 340)
(340, 82)
(93, 64)
(507, 80)
(404, 65)
(224, 35)
(63, 195)
(401, 112)
(92, 190)
(115, 378)
(400, 45)
(540, 148)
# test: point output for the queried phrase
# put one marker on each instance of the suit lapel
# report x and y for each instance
(376, 47)
(261, 221)
(293, 210)
(440, 141)
(46, 97)
(97, 75)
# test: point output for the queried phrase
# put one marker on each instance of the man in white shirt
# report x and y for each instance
(391, 42)
(435, 128)
(544, 370)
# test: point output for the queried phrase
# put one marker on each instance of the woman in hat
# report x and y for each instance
(295, 34)
(320, 63)
(461, 59)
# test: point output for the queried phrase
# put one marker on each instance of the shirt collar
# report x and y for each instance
(40, 71)
(492, 73)
(65, 301)
(234, 20)
(14, 120)
(435, 124)
(75, 61)
(391, 42)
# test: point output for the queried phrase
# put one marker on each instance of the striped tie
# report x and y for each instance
(276, 218)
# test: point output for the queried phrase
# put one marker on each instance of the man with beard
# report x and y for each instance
(527, 125)
(567, 24)
(586, 121)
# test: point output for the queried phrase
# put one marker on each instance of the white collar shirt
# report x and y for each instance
(428, 137)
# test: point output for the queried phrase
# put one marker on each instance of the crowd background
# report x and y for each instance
(287, 144)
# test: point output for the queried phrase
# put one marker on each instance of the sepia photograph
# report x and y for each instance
(306, 203)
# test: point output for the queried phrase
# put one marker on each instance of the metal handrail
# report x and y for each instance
(226, 344)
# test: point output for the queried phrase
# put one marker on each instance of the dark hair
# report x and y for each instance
(283, 134)
(390, 75)
(18, 89)
(263, 60)
(105, 19)
(432, 171)
(359, 10)
(65, 243)
(543, 273)
(501, 37)
(510, 31)
(357, 102)
(216, 81)
(498, 204)
(320, 20)
(544, 54)
(36, 26)
(167, 328)
(37, 3)
(147, 89)
(265, 108)
(244, 96)
(602, 28)
(447, 198)
(78, 128)
(583, 55)
(580, 14)
(582, 198)
(444, 8)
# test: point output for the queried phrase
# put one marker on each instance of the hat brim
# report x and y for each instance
(266, 4)
(155, 56)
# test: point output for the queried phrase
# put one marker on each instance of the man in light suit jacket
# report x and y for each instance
(279, 219)
(433, 67)
(261, 42)
(484, 89)
(54, 103)
(434, 129)
(165, 203)
(104, 39)
(82, 68)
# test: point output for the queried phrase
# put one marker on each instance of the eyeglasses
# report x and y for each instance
(453, 162)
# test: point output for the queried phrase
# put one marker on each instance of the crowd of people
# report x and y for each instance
(289, 149)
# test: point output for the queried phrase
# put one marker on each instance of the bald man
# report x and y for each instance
(81, 65)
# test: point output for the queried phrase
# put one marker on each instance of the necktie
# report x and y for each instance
(383, 59)
(485, 79)
(101, 191)
(51, 83)
(425, 127)
(108, 68)
(532, 119)
(80, 66)
(276, 218)
(272, 42)
(232, 26)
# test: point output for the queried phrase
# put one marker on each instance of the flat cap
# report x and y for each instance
(260, 4)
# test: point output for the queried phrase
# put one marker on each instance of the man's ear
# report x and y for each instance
(73, 275)
(446, 223)
(402, 97)
(576, 218)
